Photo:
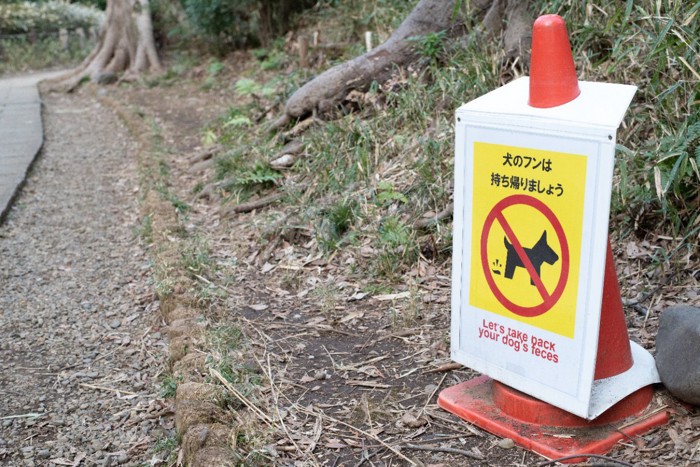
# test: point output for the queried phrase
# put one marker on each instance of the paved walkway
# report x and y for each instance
(21, 132)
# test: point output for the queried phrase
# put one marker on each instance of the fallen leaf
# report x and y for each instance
(335, 444)
(258, 307)
(351, 316)
(367, 384)
(307, 379)
(357, 296)
(392, 296)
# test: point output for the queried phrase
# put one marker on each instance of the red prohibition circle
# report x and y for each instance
(548, 300)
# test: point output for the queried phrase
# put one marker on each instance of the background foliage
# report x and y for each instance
(48, 16)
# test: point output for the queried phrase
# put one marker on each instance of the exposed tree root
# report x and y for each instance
(323, 93)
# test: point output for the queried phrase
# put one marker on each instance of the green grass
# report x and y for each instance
(372, 173)
(145, 229)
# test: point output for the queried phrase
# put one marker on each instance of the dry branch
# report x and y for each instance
(447, 450)
(427, 222)
(253, 205)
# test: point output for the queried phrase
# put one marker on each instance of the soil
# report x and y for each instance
(343, 375)
(351, 377)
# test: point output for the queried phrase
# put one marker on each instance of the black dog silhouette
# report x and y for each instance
(538, 254)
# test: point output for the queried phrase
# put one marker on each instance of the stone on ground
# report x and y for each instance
(678, 352)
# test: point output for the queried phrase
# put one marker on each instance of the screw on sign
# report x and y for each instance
(531, 259)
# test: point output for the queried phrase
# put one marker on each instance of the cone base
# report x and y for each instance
(547, 430)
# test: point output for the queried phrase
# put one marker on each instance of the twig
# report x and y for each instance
(690, 459)
(427, 222)
(317, 327)
(318, 429)
(359, 430)
(643, 417)
(104, 388)
(275, 398)
(427, 401)
(444, 368)
(367, 456)
(24, 415)
(261, 415)
(447, 450)
(591, 456)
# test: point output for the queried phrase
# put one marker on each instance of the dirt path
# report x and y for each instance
(78, 356)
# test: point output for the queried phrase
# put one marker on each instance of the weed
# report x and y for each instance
(386, 194)
(335, 223)
(327, 296)
(145, 229)
(165, 444)
(386, 165)
(180, 206)
(206, 294)
(273, 61)
(431, 45)
(163, 283)
(396, 245)
(168, 386)
(226, 338)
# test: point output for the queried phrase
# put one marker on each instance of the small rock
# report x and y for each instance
(677, 356)
(106, 78)
(43, 454)
(114, 324)
(506, 443)
(27, 451)
(411, 421)
(122, 458)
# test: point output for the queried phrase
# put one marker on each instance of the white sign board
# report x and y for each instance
(532, 199)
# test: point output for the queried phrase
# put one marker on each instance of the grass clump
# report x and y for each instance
(168, 386)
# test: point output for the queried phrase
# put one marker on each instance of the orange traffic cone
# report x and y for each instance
(549, 430)
(553, 78)
(530, 422)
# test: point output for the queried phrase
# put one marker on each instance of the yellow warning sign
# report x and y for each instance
(527, 225)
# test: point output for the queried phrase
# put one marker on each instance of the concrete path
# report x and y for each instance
(21, 132)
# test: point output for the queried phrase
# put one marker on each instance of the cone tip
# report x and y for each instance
(553, 80)
(549, 21)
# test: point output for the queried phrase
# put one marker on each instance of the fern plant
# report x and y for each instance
(260, 175)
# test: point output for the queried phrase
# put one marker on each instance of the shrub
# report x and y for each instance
(226, 24)
(18, 18)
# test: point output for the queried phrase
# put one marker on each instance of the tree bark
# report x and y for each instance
(125, 45)
(429, 16)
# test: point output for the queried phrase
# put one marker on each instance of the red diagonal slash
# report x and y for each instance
(523, 256)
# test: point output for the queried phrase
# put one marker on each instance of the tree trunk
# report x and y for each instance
(125, 45)
(429, 16)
